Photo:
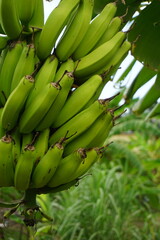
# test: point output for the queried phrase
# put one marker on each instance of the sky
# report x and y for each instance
(110, 89)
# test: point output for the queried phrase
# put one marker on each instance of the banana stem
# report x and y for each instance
(29, 199)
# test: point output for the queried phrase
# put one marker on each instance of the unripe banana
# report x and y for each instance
(16, 102)
(92, 136)
(92, 156)
(11, 60)
(2, 130)
(45, 75)
(47, 166)
(112, 29)
(79, 123)
(3, 42)
(53, 26)
(16, 148)
(25, 65)
(98, 58)
(67, 66)
(60, 188)
(67, 167)
(96, 29)
(25, 10)
(37, 109)
(78, 100)
(9, 19)
(6, 162)
(24, 168)
(113, 64)
(37, 20)
(65, 83)
(75, 31)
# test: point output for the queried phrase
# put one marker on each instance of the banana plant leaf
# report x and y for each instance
(145, 36)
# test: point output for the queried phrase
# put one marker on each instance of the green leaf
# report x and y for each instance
(145, 36)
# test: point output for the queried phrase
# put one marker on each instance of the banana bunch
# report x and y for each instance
(52, 123)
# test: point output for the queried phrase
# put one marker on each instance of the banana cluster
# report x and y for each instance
(52, 123)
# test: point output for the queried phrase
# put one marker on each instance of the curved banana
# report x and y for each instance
(37, 109)
(96, 29)
(25, 65)
(65, 83)
(6, 162)
(37, 20)
(113, 64)
(44, 76)
(16, 148)
(112, 29)
(24, 168)
(67, 167)
(41, 145)
(2, 130)
(79, 123)
(16, 101)
(47, 166)
(75, 31)
(3, 42)
(53, 27)
(77, 100)
(99, 57)
(92, 136)
(11, 60)
(25, 10)
(67, 66)
(9, 19)
(92, 156)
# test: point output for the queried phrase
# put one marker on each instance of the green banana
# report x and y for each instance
(9, 19)
(92, 156)
(99, 57)
(60, 188)
(24, 167)
(25, 10)
(75, 31)
(67, 167)
(80, 122)
(149, 98)
(6, 162)
(93, 134)
(67, 66)
(44, 76)
(78, 100)
(112, 29)
(11, 60)
(53, 27)
(3, 42)
(65, 83)
(16, 148)
(47, 166)
(15, 103)
(37, 109)
(27, 139)
(113, 64)
(25, 65)
(37, 20)
(2, 57)
(41, 144)
(2, 130)
(96, 29)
